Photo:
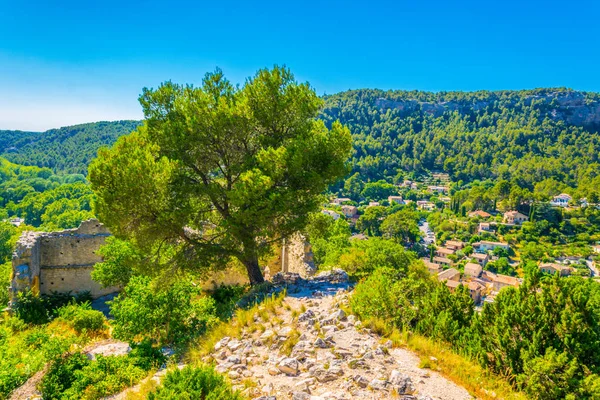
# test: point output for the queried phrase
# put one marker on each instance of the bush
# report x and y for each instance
(34, 309)
(61, 375)
(81, 317)
(198, 383)
(172, 315)
(75, 377)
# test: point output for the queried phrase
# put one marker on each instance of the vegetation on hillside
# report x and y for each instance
(66, 150)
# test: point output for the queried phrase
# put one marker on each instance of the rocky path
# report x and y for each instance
(311, 350)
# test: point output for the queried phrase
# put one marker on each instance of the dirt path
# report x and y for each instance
(313, 351)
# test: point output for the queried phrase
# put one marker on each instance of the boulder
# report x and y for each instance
(288, 366)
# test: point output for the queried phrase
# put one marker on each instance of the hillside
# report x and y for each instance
(66, 150)
(524, 135)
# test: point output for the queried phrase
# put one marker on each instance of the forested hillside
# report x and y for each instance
(66, 150)
(524, 136)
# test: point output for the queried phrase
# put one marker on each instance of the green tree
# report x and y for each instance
(220, 171)
(402, 226)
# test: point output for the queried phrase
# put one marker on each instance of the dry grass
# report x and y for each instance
(290, 342)
(440, 357)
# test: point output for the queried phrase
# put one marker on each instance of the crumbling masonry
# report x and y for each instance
(46, 262)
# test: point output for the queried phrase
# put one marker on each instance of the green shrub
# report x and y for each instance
(81, 317)
(61, 375)
(172, 315)
(34, 309)
(198, 383)
(75, 377)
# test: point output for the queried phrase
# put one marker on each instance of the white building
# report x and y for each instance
(562, 200)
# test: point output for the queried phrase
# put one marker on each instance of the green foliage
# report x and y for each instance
(402, 226)
(74, 376)
(35, 309)
(120, 261)
(66, 150)
(81, 317)
(509, 135)
(242, 165)
(201, 383)
(61, 375)
(174, 314)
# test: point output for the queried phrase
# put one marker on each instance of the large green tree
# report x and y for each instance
(219, 171)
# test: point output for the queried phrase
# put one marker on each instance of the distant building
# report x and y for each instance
(349, 211)
(485, 246)
(437, 189)
(482, 259)
(480, 214)
(562, 200)
(455, 244)
(373, 204)
(475, 290)
(442, 261)
(331, 213)
(596, 248)
(473, 270)
(502, 281)
(16, 221)
(554, 268)
(395, 199)
(484, 227)
(444, 252)
(433, 268)
(445, 199)
(359, 236)
(515, 217)
(341, 200)
(451, 274)
(425, 205)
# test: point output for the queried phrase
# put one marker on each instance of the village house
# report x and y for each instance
(596, 248)
(445, 199)
(331, 213)
(395, 199)
(484, 227)
(475, 290)
(485, 246)
(562, 200)
(481, 259)
(341, 200)
(455, 244)
(425, 205)
(480, 214)
(444, 252)
(373, 204)
(437, 189)
(473, 270)
(515, 218)
(502, 281)
(359, 236)
(349, 211)
(555, 268)
(442, 261)
(433, 268)
(451, 274)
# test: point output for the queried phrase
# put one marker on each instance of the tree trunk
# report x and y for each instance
(254, 273)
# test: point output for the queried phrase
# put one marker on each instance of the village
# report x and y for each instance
(460, 262)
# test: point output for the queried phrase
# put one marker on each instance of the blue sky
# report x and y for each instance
(70, 62)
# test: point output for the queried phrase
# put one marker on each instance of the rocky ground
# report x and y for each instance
(312, 350)
(308, 349)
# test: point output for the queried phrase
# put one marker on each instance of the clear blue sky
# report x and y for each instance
(69, 62)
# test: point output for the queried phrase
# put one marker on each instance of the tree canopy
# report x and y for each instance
(219, 171)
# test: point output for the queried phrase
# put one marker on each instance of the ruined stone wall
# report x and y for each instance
(297, 256)
(62, 261)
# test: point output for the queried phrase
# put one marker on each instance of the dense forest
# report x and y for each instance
(522, 136)
(66, 150)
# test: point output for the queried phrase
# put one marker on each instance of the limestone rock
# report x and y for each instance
(288, 366)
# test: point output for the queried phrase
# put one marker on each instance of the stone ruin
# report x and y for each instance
(46, 262)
